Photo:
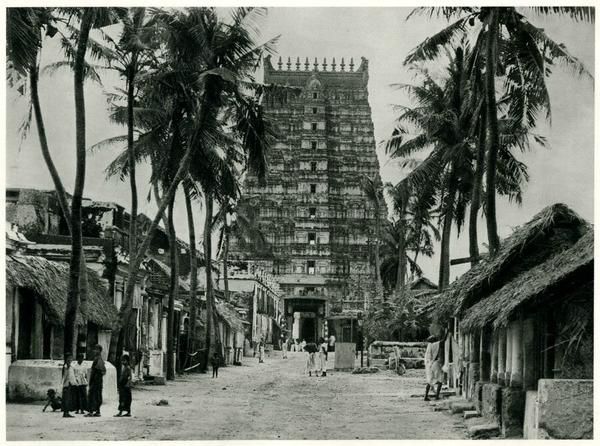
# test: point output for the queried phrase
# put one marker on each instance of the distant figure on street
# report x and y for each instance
(81, 380)
(124, 388)
(69, 386)
(284, 348)
(323, 357)
(310, 349)
(302, 345)
(215, 362)
(331, 346)
(261, 350)
(433, 367)
(97, 373)
(296, 345)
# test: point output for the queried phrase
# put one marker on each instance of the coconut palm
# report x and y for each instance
(373, 189)
(508, 45)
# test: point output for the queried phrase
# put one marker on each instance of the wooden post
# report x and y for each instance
(485, 340)
(516, 372)
(494, 367)
(501, 356)
(508, 362)
(529, 355)
(37, 340)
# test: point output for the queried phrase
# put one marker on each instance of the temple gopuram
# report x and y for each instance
(313, 211)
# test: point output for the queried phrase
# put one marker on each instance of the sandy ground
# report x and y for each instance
(273, 400)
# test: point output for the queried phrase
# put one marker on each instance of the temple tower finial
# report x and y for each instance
(297, 63)
(279, 64)
(316, 65)
(342, 65)
(306, 64)
(352, 64)
(289, 64)
(324, 64)
(333, 65)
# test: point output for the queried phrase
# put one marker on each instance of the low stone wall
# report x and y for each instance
(412, 354)
(565, 409)
(491, 401)
(29, 380)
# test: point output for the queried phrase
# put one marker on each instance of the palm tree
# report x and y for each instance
(373, 189)
(507, 40)
(238, 220)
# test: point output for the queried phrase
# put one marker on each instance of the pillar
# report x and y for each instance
(37, 339)
(485, 340)
(516, 372)
(501, 348)
(494, 365)
(529, 355)
(508, 362)
(296, 326)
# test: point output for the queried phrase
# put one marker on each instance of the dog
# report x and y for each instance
(53, 401)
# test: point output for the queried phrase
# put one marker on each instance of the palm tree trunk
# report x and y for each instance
(494, 137)
(377, 258)
(131, 164)
(444, 273)
(225, 266)
(61, 194)
(190, 347)
(172, 331)
(208, 347)
(476, 194)
(76, 234)
(401, 274)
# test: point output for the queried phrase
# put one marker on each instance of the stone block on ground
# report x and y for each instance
(461, 406)
(470, 414)
(481, 431)
(513, 411)
(565, 408)
(491, 401)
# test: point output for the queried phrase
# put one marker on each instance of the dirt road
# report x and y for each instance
(256, 401)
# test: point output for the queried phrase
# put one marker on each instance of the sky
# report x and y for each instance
(562, 173)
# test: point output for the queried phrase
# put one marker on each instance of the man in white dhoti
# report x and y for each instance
(433, 367)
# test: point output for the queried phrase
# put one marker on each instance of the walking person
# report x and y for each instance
(124, 388)
(69, 386)
(261, 351)
(331, 346)
(310, 367)
(303, 345)
(323, 357)
(215, 362)
(98, 370)
(433, 367)
(284, 348)
(80, 372)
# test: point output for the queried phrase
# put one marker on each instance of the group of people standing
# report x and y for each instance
(82, 395)
(316, 353)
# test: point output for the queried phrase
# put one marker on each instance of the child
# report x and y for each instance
(215, 363)
(124, 388)
(261, 351)
(53, 401)
(80, 372)
(69, 385)
(284, 348)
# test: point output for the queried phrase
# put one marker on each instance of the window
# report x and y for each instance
(312, 212)
(315, 95)
(314, 110)
(313, 126)
(313, 188)
(312, 238)
(310, 266)
(313, 145)
(313, 166)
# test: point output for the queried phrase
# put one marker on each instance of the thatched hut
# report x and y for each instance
(36, 294)
(523, 317)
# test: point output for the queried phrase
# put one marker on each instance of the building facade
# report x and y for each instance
(313, 211)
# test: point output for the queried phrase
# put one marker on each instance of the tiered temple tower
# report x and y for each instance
(313, 210)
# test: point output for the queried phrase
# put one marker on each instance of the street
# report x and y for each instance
(273, 400)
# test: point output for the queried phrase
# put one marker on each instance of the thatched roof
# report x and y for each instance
(50, 281)
(229, 314)
(533, 286)
(528, 245)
